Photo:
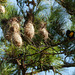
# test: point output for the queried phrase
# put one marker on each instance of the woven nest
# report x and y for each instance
(2, 9)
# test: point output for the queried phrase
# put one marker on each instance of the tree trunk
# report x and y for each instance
(23, 67)
(18, 70)
(23, 71)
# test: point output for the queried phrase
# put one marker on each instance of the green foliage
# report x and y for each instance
(6, 69)
(71, 4)
(11, 11)
(3, 1)
(43, 56)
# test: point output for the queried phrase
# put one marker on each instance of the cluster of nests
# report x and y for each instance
(12, 30)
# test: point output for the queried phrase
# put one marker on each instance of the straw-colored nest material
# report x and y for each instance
(2, 9)
(8, 35)
(29, 30)
(16, 39)
(12, 32)
(11, 24)
(43, 31)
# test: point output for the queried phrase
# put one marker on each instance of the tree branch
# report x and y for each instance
(68, 65)
(53, 46)
(66, 5)
(21, 9)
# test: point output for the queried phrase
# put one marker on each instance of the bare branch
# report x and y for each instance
(21, 9)
(68, 65)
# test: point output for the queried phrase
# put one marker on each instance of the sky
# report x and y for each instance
(65, 71)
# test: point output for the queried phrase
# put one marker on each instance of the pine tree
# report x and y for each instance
(32, 50)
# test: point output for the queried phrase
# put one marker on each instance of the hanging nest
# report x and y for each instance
(11, 29)
(2, 9)
(43, 31)
(29, 30)
(16, 39)
(14, 22)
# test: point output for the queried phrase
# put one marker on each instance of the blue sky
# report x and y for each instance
(65, 71)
